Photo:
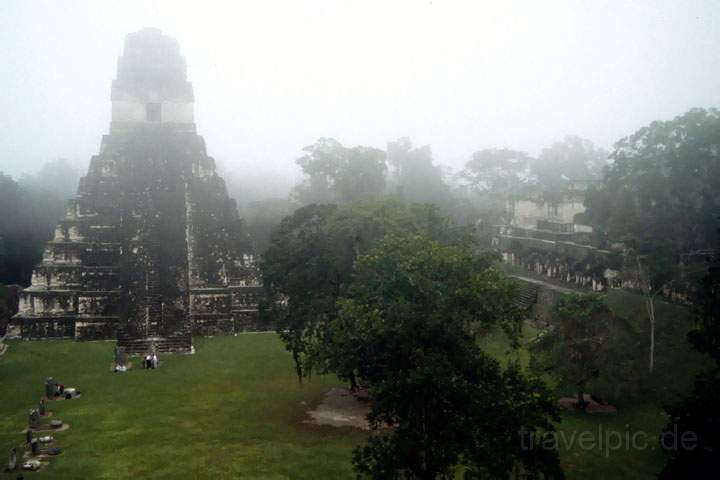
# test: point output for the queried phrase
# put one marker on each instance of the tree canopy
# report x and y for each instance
(312, 252)
(407, 326)
(415, 177)
(573, 158)
(337, 174)
(660, 195)
(574, 347)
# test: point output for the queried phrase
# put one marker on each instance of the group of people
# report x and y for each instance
(151, 361)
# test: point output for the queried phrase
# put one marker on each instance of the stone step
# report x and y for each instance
(139, 346)
(527, 295)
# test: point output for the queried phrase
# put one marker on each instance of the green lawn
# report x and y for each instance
(235, 409)
(231, 410)
(641, 459)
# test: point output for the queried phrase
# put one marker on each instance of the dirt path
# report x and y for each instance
(549, 285)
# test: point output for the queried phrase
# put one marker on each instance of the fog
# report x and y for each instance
(272, 77)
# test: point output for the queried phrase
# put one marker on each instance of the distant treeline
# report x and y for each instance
(29, 209)
(337, 174)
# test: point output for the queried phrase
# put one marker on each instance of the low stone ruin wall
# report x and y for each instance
(586, 274)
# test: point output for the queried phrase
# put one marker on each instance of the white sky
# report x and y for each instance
(271, 77)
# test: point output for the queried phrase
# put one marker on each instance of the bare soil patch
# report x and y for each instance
(341, 408)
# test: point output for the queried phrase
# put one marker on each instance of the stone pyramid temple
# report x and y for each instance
(151, 250)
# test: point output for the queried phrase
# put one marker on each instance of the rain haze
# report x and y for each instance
(336, 239)
(272, 77)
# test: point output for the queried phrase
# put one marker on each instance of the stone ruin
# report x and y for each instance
(151, 248)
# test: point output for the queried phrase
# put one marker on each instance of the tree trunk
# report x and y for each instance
(650, 307)
(298, 365)
(353, 382)
(651, 314)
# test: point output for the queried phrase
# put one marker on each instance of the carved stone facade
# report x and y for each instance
(152, 246)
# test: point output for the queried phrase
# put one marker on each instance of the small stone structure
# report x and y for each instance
(12, 460)
(545, 236)
(151, 248)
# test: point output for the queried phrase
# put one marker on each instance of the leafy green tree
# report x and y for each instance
(300, 276)
(408, 327)
(337, 174)
(320, 164)
(659, 198)
(573, 348)
(574, 158)
(311, 255)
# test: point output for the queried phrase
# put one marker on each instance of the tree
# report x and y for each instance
(408, 327)
(336, 174)
(496, 176)
(574, 158)
(415, 178)
(659, 197)
(694, 446)
(361, 175)
(320, 164)
(311, 255)
(573, 347)
(300, 276)
(499, 171)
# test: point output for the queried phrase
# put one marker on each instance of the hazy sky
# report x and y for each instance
(271, 77)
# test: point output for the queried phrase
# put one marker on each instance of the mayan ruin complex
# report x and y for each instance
(151, 248)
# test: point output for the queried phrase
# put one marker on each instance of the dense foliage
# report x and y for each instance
(694, 426)
(574, 347)
(661, 193)
(311, 255)
(408, 328)
(392, 297)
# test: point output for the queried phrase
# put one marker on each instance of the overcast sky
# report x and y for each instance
(272, 77)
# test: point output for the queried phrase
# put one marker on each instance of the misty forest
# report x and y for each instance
(319, 240)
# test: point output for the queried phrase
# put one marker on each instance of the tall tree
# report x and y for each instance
(499, 171)
(496, 176)
(573, 158)
(415, 178)
(659, 198)
(311, 255)
(408, 326)
(361, 175)
(573, 348)
(337, 174)
(300, 276)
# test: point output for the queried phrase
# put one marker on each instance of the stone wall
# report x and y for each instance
(9, 298)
